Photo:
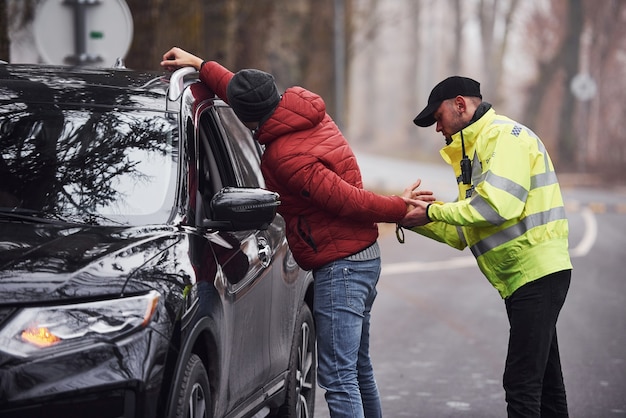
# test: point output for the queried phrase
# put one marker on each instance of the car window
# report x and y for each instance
(215, 160)
(94, 165)
(242, 148)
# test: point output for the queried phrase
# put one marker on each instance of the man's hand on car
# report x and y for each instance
(177, 58)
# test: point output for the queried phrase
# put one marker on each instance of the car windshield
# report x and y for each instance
(101, 166)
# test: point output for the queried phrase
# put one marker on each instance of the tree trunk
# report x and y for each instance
(4, 32)
(487, 17)
(498, 63)
(568, 138)
(455, 59)
(254, 21)
(217, 32)
(142, 54)
(547, 72)
(318, 68)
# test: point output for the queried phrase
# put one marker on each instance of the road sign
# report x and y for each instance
(583, 87)
(83, 32)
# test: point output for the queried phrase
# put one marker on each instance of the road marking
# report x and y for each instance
(581, 250)
(590, 235)
(415, 266)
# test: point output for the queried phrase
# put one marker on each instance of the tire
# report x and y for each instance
(193, 394)
(300, 396)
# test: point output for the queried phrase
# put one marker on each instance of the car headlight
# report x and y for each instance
(34, 331)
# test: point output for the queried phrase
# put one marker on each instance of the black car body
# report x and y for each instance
(144, 271)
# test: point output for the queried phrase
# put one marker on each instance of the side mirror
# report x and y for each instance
(240, 209)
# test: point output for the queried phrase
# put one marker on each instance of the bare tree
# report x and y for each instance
(14, 15)
(579, 37)
(217, 31)
(457, 28)
(159, 25)
(294, 40)
(365, 25)
(290, 38)
(253, 21)
(571, 53)
(318, 61)
(600, 120)
(545, 48)
(146, 19)
(495, 19)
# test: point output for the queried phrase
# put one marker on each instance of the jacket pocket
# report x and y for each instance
(304, 231)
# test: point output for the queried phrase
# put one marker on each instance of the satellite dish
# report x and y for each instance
(83, 31)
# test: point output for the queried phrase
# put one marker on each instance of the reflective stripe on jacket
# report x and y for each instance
(512, 215)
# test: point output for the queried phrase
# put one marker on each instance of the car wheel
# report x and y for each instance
(194, 394)
(300, 397)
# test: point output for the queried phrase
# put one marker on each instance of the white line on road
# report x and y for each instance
(591, 233)
(411, 267)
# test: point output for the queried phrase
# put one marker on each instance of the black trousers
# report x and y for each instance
(533, 380)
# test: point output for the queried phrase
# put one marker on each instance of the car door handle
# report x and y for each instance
(265, 252)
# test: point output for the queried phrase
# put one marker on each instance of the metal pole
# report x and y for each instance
(80, 31)
(81, 56)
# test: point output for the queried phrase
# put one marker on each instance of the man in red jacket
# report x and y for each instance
(331, 220)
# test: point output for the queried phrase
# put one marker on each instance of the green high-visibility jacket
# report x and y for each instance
(511, 215)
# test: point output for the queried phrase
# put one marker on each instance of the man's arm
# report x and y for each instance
(212, 73)
(177, 58)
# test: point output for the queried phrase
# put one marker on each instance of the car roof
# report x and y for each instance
(110, 87)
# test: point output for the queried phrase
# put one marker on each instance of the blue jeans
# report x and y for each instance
(533, 380)
(344, 293)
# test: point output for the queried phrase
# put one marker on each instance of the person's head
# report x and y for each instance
(253, 96)
(451, 105)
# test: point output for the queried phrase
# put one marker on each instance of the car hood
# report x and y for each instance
(44, 263)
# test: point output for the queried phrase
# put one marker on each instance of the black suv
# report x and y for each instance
(144, 271)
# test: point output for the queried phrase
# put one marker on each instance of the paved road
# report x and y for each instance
(440, 330)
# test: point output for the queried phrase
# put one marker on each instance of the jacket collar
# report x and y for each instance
(453, 151)
(482, 108)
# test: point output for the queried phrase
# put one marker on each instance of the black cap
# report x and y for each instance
(252, 94)
(447, 89)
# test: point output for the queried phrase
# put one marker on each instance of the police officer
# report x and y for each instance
(510, 214)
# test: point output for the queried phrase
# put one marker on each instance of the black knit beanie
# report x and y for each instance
(253, 95)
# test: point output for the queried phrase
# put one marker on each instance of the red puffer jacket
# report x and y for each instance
(310, 164)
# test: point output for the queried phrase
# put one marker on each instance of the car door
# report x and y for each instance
(281, 268)
(245, 286)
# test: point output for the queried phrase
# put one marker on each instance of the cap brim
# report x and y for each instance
(426, 116)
